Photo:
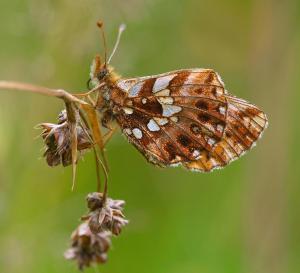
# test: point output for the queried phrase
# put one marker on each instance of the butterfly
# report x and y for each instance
(184, 117)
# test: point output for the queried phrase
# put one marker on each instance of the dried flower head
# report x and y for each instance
(57, 138)
(87, 247)
(105, 214)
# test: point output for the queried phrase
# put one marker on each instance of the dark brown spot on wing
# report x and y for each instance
(203, 117)
(147, 88)
(184, 140)
(199, 90)
(152, 106)
(210, 78)
(201, 104)
(228, 134)
(171, 151)
(179, 79)
(214, 91)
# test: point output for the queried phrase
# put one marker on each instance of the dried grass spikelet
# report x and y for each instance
(91, 241)
(57, 138)
(105, 215)
(87, 247)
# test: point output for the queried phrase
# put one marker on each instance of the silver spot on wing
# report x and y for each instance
(196, 154)
(170, 110)
(222, 110)
(125, 85)
(127, 131)
(220, 128)
(153, 126)
(128, 110)
(174, 119)
(137, 133)
(165, 100)
(211, 141)
(135, 90)
(161, 121)
(162, 82)
(164, 93)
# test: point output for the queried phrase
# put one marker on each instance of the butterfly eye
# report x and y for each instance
(102, 73)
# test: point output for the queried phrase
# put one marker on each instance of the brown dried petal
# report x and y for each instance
(117, 225)
(57, 138)
(96, 221)
(116, 204)
(87, 247)
(94, 200)
(106, 216)
(62, 116)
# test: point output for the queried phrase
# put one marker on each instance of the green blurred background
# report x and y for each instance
(242, 219)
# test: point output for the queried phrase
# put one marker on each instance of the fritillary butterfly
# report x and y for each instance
(184, 117)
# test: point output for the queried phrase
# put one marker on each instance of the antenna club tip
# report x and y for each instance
(100, 24)
(122, 27)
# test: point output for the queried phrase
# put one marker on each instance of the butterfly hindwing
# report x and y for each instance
(245, 125)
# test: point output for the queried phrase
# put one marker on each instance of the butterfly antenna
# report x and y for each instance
(100, 26)
(121, 29)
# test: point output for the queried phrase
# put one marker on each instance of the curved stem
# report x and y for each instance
(72, 120)
(58, 93)
(70, 101)
(97, 159)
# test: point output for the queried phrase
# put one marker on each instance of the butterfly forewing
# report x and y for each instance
(187, 117)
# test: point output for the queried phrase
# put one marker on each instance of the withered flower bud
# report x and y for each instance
(57, 138)
(105, 215)
(62, 116)
(94, 201)
(87, 247)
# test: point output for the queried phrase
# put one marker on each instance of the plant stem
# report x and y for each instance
(58, 93)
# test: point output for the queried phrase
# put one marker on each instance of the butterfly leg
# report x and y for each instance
(109, 134)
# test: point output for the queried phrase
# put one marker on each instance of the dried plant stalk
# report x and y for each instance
(77, 106)
(58, 93)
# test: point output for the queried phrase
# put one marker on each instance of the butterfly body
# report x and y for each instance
(183, 117)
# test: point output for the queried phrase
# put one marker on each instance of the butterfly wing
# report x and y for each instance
(245, 124)
(186, 117)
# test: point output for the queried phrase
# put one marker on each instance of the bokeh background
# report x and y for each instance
(242, 219)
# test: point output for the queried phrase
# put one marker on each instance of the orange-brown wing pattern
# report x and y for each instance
(245, 124)
(186, 117)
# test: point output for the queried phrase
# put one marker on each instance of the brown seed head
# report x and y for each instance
(88, 248)
(57, 138)
(106, 216)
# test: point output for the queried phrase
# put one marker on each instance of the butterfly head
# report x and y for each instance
(103, 71)
(100, 72)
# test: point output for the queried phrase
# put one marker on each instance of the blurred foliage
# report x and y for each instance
(244, 218)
